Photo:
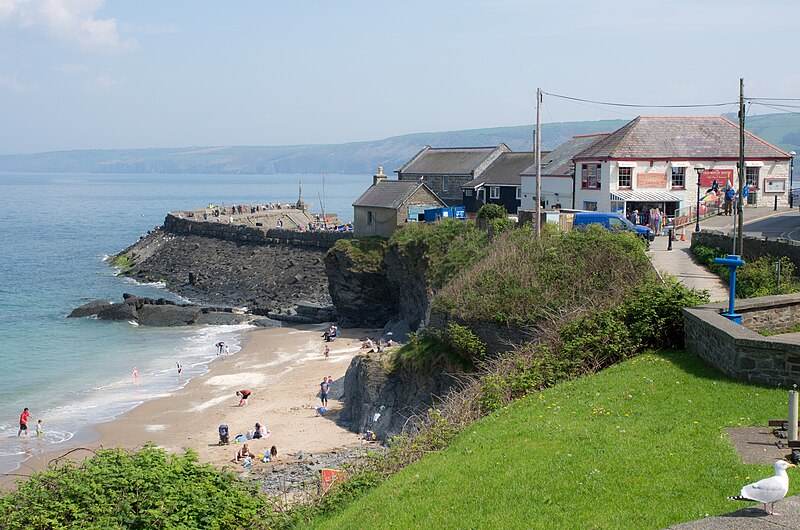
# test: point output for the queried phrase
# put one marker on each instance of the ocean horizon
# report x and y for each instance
(59, 231)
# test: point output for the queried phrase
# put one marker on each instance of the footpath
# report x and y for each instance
(679, 262)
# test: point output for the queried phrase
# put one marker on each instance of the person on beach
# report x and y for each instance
(23, 421)
(135, 374)
(260, 431)
(327, 352)
(39, 430)
(244, 452)
(180, 368)
(323, 391)
(273, 452)
(220, 347)
(225, 348)
(243, 395)
(367, 343)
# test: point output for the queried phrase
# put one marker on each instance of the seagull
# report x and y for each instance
(769, 490)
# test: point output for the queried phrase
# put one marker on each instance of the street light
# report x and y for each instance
(791, 179)
(699, 170)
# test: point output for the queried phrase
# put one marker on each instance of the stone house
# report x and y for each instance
(558, 174)
(389, 204)
(499, 183)
(653, 160)
(446, 169)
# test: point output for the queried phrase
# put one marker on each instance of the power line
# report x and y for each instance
(781, 108)
(639, 106)
(772, 99)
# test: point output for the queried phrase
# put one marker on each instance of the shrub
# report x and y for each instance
(492, 211)
(366, 253)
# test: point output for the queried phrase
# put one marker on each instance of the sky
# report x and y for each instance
(94, 74)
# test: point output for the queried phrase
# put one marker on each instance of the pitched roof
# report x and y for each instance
(504, 171)
(559, 160)
(676, 137)
(447, 160)
(391, 194)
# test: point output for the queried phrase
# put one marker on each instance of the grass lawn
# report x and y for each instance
(639, 445)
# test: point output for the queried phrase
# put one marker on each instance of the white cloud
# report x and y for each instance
(102, 83)
(68, 20)
(10, 82)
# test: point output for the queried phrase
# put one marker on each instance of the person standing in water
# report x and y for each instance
(39, 430)
(23, 422)
(135, 374)
(180, 368)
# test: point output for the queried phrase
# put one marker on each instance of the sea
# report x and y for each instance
(58, 231)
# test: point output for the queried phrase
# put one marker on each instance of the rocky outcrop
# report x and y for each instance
(164, 313)
(265, 278)
(363, 298)
(406, 269)
(398, 396)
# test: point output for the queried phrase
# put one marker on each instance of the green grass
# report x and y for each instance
(366, 253)
(639, 445)
(770, 332)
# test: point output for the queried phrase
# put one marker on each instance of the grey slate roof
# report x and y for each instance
(504, 171)
(391, 194)
(559, 161)
(447, 160)
(676, 137)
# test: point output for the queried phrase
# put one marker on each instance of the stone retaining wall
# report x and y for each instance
(249, 234)
(754, 247)
(740, 352)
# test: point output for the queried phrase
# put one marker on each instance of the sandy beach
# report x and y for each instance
(281, 366)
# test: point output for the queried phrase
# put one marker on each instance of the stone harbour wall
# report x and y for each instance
(252, 234)
(740, 352)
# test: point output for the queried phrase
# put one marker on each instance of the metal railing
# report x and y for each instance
(688, 215)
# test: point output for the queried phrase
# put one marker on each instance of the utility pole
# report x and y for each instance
(739, 208)
(537, 152)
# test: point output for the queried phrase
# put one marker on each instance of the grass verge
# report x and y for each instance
(639, 445)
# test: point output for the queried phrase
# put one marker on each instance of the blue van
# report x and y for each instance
(612, 221)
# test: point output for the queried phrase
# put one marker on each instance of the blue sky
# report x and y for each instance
(94, 74)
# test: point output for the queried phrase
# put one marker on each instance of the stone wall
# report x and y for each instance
(778, 313)
(740, 352)
(754, 247)
(252, 235)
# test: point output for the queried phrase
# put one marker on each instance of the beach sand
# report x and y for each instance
(281, 366)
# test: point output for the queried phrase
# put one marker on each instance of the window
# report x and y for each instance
(494, 192)
(751, 177)
(369, 217)
(519, 193)
(590, 206)
(624, 178)
(678, 177)
(590, 176)
(445, 182)
(468, 193)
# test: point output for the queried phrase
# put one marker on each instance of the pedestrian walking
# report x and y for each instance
(23, 421)
(323, 391)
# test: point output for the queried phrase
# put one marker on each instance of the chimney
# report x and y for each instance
(379, 176)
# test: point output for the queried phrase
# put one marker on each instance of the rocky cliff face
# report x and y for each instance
(363, 298)
(396, 396)
(406, 269)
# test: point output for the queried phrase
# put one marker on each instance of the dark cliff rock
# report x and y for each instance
(406, 272)
(264, 278)
(89, 309)
(168, 315)
(363, 298)
(398, 396)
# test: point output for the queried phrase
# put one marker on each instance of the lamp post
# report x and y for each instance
(699, 170)
(791, 179)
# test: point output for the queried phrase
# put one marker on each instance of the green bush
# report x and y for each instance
(366, 253)
(492, 211)
(464, 342)
(146, 489)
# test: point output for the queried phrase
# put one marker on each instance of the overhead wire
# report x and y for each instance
(633, 105)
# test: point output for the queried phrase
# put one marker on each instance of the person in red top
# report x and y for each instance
(243, 395)
(23, 421)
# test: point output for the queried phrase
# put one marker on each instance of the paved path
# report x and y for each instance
(751, 518)
(679, 263)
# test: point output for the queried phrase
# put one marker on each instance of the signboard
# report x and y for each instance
(651, 180)
(774, 185)
(722, 176)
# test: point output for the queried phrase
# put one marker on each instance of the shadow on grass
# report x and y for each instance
(694, 365)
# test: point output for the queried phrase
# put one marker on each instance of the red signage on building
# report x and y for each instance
(722, 176)
(651, 180)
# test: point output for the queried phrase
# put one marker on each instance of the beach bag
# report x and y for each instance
(241, 438)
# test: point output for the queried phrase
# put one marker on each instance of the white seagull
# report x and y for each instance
(769, 490)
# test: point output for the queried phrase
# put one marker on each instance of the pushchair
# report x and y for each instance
(224, 438)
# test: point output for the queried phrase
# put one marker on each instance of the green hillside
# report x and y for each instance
(639, 445)
(783, 130)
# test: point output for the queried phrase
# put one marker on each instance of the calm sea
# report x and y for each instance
(57, 229)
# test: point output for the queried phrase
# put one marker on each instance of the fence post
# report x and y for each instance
(669, 237)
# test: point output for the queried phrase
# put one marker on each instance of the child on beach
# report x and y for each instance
(135, 374)
(327, 352)
(323, 391)
(39, 430)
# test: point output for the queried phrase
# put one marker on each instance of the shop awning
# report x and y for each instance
(644, 196)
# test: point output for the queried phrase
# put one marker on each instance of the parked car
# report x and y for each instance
(612, 221)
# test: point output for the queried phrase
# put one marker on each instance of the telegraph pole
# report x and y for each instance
(739, 208)
(537, 152)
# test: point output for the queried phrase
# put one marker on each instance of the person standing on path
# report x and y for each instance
(323, 391)
(730, 194)
(23, 421)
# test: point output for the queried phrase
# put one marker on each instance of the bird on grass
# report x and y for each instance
(769, 490)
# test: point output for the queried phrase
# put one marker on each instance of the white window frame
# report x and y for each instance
(590, 206)
(494, 192)
(629, 171)
(468, 192)
(519, 192)
(445, 182)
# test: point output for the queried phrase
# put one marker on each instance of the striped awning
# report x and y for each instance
(644, 196)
